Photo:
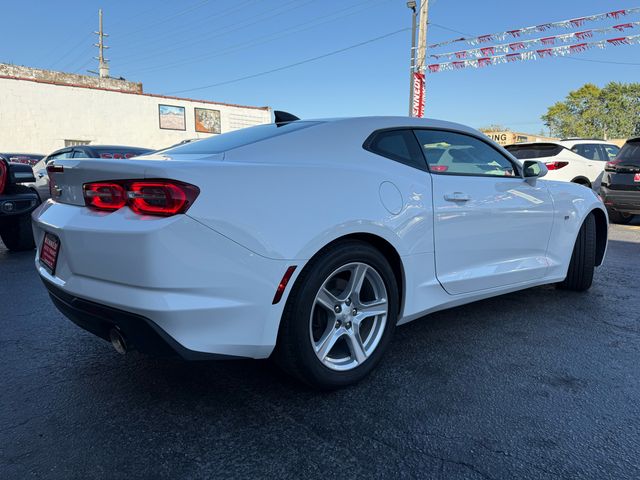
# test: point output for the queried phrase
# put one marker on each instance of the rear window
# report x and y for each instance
(240, 138)
(534, 150)
(630, 153)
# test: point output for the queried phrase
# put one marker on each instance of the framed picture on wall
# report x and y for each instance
(207, 121)
(171, 117)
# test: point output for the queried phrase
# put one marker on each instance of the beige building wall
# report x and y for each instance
(39, 116)
(508, 137)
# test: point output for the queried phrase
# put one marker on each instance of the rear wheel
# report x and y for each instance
(583, 259)
(619, 217)
(339, 317)
(16, 233)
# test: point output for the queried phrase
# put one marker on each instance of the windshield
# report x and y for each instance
(534, 150)
(239, 138)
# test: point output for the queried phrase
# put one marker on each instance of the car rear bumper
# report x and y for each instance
(171, 284)
(623, 201)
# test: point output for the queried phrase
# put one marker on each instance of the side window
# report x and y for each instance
(456, 153)
(398, 145)
(65, 154)
(80, 154)
(587, 150)
(610, 151)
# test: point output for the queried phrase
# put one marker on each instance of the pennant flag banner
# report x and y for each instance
(571, 23)
(417, 105)
(525, 44)
(560, 51)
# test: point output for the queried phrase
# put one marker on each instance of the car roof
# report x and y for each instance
(378, 122)
(565, 143)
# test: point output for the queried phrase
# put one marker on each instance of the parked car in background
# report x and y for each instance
(571, 160)
(17, 201)
(620, 190)
(310, 240)
(27, 158)
(41, 184)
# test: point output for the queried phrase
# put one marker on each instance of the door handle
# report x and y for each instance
(457, 197)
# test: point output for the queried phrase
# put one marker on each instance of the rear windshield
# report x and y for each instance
(240, 138)
(630, 153)
(24, 158)
(119, 152)
(534, 150)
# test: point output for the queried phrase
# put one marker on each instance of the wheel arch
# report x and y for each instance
(602, 232)
(379, 243)
(582, 180)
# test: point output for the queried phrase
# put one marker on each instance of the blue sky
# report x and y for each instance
(178, 45)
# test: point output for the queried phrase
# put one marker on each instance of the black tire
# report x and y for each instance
(16, 233)
(294, 351)
(583, 259)
(620, 218)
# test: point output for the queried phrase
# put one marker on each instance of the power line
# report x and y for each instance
(180, 45)
(291, 65)
(266, 38)
(600, 61)
(449, 29)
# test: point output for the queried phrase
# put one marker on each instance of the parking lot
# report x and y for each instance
(536, 384)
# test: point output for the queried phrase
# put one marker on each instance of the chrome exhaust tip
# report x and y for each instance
(118, 341)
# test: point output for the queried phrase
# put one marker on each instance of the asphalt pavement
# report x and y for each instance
(536, 384)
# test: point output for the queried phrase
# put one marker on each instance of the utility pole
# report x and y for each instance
(422, 37)
(412, 64)
(103, 62)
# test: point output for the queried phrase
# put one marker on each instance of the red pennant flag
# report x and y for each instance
(580, 47)
(462, 54)
(514, 33)
(513, 57)
(543, 27)
(583, 35)
(434, 68)
(485, 38)
(622, 26)
(577, 22)
(488, 50)
(548, 40)
(457, 64)
(618, 41)
(617, 14)
(516, 46)
(544, 52)
(483, 62)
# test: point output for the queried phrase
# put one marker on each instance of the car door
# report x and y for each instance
(491, 227)
(595, 158)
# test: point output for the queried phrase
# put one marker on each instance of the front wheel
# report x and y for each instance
(339, 317)
(583, 259)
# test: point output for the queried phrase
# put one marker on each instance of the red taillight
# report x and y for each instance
(3, 175)
(438, 168)
(610, 166)
(145, 197)
(104, 195)
(161, 197)
(556, 165)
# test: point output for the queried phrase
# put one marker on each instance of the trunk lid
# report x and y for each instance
(67, 176)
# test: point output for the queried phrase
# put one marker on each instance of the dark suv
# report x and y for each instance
(620, 189)
(17, 201)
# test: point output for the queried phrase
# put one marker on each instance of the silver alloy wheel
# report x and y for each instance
(348, 316)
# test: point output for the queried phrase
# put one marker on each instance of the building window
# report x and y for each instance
(75, 143)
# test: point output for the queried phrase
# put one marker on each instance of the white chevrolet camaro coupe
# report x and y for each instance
(308, 241)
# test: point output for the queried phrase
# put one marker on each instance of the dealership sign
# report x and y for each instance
(418, 95)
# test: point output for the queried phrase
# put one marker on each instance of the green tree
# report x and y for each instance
(612, 112)
(494, 128)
